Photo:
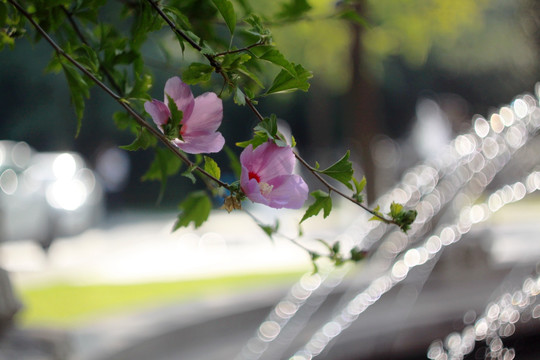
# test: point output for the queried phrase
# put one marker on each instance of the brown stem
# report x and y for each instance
(260, 43)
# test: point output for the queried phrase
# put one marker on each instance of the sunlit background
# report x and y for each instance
(424, 96)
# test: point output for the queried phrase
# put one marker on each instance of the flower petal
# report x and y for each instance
(199, 143)
(268, 160)
(181, 94)
(251, 188)
(289, 191)
(158, 111)
(207, 114)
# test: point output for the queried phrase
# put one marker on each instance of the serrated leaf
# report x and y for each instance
(276, 57)
(268, 126)
(78, 89)
(243, 70)
(195, 208)
(359, 186)
(286, 82)
(143, 141)
(3, 14)
(270, 229)
(342, 170)
(323, 201)
(173, 127)
(123, 121)
(211, 167)
(377, 211)
(259, 138)
(226, 9)
(395, 210)
(197, 73)
(239, 97)
(189, 173)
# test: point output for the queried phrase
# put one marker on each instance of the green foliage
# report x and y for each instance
(270, 230)
(195, 208)
(144, 140)
(293, 9)
(211, 167)
(226, 9)
(286, 81)
(323, 201)
(197, 73)
(165, 164)
(402, 218)
(358, 188)
(173, 127)
(79, 90)
(342, 171)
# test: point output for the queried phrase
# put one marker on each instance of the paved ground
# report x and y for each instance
(139, 246)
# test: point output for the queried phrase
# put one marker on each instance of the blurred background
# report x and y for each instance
(394, 92)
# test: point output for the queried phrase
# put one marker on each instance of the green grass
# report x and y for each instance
(71, 305)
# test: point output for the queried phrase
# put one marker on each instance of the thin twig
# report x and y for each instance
(247, 48)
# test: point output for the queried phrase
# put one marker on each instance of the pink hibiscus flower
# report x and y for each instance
(267, 177)
(201, 117)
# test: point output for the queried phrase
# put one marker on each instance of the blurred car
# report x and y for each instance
(45, 195)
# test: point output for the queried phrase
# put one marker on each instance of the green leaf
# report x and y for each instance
(234, 163)
(165, 164)
(211, 167)
(323, 201)
(268, 126)
(78, 89)
(353, 16)
(123, 121)
(189, 173)
(359, 186)
(269, 229)
(259, 138)
(341, 170)
(402, 218)
(226, 9)
(233, 61)
(143, 141)
(197, 73)
(274, 56)
(239, 97)
(286, 82)
(195, 208)
(3, 14)
(173, 127)
(395, 209)
(294, 9)
(380, 216)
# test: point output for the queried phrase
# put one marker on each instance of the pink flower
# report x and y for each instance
(267, 177)
(201, 117)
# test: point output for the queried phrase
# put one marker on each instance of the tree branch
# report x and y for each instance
(217, 67)
(124, 103)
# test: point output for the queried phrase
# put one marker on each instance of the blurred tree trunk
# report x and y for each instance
(362, 118)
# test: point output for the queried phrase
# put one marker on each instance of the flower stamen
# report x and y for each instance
(265, 188)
